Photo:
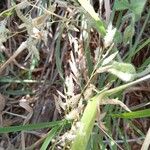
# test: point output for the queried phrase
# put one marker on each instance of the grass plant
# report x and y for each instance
(89, 59)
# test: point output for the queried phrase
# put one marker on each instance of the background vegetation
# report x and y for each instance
(74, 74)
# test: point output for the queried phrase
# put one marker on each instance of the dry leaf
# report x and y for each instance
(115, 102)
(146, 141)
(2, 102)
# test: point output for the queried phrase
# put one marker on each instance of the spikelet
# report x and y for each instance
(3, 31)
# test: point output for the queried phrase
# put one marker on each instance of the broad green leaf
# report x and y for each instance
(134, 114)
(121, 4)
(124, 71)
(137, 7)
(124, 67)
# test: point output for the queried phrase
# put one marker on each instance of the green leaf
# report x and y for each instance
(51, 134)
(31, 126)
(18, 92)
(137, 7)
(135, 114)
(124, 71)
(98, 23)
(14, 80)
(7, 13)
(145, 63)
(118, 37)
(86, 124)
(87, 121)
(121, 4)
(128, 34)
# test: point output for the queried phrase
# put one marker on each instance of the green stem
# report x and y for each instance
(88, 119)
(86, 124)
(122, 87)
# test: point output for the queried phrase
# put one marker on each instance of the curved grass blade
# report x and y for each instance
(135, 114)
(14, 80)
(31, 126)
(51, 134)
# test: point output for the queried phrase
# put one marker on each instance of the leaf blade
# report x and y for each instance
(133, 115)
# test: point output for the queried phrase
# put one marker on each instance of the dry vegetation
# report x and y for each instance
(50, 58)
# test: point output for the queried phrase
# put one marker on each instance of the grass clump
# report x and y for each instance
(71, 73)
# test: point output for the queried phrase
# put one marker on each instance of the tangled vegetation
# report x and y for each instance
(74, 74)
